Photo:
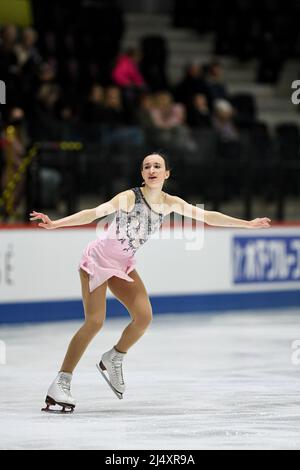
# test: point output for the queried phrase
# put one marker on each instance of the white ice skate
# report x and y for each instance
(59, 394)
(111, 362)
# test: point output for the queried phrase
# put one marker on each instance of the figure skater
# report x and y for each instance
(109, 261)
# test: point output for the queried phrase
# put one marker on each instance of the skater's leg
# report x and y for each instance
(136, 300)
(95, 311)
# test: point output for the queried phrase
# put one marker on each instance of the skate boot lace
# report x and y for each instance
(64, 385)
(117, 367)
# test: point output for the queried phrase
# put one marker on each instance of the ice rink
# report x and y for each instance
(223, 381)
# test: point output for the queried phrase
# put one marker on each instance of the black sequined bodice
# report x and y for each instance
(134, 228)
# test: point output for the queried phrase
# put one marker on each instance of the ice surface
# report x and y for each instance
(223, 381)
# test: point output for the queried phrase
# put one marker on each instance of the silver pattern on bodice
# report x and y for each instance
(136, 226)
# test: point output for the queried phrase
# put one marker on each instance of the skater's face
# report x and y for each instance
(154, 171)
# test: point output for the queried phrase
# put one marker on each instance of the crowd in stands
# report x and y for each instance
(56, 100)
(65, 84)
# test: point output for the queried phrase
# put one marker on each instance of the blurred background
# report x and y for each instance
(93, 86)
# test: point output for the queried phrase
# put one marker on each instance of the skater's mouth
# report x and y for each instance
(152, 177)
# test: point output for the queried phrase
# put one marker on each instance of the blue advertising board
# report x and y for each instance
(266, 259)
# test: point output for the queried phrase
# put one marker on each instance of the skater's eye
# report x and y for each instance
(156, 166)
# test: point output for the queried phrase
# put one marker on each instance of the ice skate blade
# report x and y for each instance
(50, 402)
(119, 395)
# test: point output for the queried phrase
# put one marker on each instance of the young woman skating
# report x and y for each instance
(109, 261)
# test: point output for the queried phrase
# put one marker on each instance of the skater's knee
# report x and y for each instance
(94, 323)
(143, 319)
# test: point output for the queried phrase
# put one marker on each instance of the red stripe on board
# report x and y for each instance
(89, 226)
(35, 227)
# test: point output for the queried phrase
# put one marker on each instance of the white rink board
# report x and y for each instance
(40, 265)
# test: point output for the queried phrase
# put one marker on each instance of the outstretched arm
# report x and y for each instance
(215, 218)
(83, 217)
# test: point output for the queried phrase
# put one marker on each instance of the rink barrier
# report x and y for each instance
(39, 278)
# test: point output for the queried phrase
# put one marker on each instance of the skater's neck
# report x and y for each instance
(153, 195)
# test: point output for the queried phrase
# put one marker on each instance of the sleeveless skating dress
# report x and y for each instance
(112, 254)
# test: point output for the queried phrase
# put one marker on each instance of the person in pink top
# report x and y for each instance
(109, 261)
(126, 72)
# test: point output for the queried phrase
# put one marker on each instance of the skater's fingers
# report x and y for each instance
(39, 213)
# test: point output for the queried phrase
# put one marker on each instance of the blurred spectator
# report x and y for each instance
(29, 60)
(45, 124)
(66, 112)
(223, 121)
(47, 72)
(94, 110)
(169, 118)
(165, 113)
(143, 114)
(67, 115)
(47, 98)
(16, 118)
(215, 82)
(126, 72)
(119, 123)
(8, 59)
(15, 141)
(198, 114)
(26, 50)
(192, 83)
(48, 90)
(114, 111)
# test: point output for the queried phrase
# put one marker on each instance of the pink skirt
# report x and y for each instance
(104, 258)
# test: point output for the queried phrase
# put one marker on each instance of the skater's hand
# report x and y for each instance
(47, 222)
(260, 223)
